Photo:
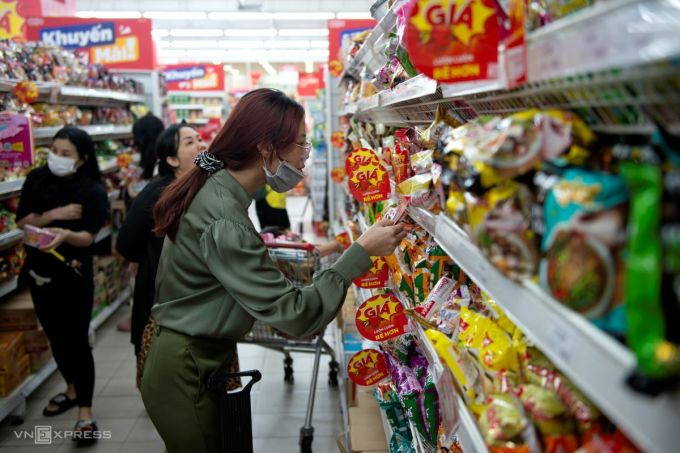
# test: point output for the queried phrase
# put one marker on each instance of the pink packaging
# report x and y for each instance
(37, 237)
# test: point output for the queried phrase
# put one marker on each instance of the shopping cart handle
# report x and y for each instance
(219, 379)
(291, 245)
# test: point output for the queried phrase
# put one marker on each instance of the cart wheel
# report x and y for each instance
(333, 373)
(306, 444)
(288, 369)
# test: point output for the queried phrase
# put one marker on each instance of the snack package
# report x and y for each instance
(501, 224)
(585, 215)
(503, 423)
(443, 122)
(388, 400)
(37, 237)
(401, 155)
(550, 416)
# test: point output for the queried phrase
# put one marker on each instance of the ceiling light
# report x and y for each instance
(309, 66)
(186, 44)
(110, 14)
(354, 15)
(291, 44)
(175, 15)
(303, 16)
(238, 44)
(196, 32)
(297, 55)
(303, 32)
(172, 53)
(206, 54)
(258, 32)
(160, 33)
(268, 67)
(163, 43)
(319, 44)
(239, 15)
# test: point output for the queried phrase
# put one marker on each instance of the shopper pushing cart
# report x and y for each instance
(216, 276)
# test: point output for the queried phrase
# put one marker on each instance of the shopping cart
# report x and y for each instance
(298, 262)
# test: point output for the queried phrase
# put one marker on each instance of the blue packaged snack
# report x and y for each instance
(585, 217)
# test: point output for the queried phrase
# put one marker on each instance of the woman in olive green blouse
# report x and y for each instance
(215, 276)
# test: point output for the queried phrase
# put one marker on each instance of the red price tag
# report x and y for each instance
(368, 180)
(367, 367)
(376, 277)
(453, 40)
(381, 317)
(344, 240)
(338, 174)
(338, 139)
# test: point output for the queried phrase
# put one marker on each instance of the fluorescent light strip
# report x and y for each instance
(196, 32)
(303, 16)
(110, 14)
(319, 44)
(175, 15)
(290, 44)
(162, 43)
(259, 32)
(160, 33)
(239, 15)
(354, 15)
(209, 44)
(176, 53)
(227, 44)
(303, 32)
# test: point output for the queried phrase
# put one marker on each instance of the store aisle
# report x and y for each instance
(278, 408)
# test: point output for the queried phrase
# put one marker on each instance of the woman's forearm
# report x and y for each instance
(79, 238)
(37, 220)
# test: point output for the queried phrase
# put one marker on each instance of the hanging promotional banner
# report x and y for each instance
(381, 317)
(338, 174)
(376, 277)
(309, 84)
(515, 44)
(453, 40)
(13, 14)
(367, 367)
(340, 33)
(16, 141)
(367, 178)
(194, 77)
(114, 43)
(338, 139)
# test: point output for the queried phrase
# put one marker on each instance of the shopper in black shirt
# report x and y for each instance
(176, 148)
(66, 197)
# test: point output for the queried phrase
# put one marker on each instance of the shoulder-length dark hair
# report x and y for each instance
(85, 147)
(145, 131)
(262, 117)
(167, 145)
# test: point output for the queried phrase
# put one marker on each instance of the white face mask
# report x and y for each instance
(285, 178)
(60, 166)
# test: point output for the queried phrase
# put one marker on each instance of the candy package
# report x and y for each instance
(401, 155)
(37, 237)
(585, 215)
(505, 426)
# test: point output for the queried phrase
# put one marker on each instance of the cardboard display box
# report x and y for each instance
(39, 359)
(10, 380)
(35, 340)
(11, 350)
(17, 313)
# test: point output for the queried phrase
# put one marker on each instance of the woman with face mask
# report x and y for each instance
(175, 149)
(215, 276)
(68, 198)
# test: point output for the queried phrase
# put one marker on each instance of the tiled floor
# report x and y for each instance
(278, 408)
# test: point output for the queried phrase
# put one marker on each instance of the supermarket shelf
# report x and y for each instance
(187, 106)
(386, 426)
(10, 187)
(200, 94)
(109, 166)
(370, 54)
(103, 315)
(103, 234)
(564, 337)
(43, 135)
(8, 287)
(11, 237)
(89, 96)
(17, 398)
(198, 121)
(468, 433)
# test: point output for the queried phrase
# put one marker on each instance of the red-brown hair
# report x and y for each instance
(262, 117)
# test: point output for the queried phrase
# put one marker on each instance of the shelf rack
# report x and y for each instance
(43, 135)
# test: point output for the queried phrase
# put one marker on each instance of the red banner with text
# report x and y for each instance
(340, 33)
(194, 77)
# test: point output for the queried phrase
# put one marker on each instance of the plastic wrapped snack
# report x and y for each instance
(503, 423)
(585, 220)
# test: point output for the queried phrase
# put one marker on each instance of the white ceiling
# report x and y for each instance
(236, 31)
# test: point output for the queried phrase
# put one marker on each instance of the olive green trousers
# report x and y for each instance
(175, 393)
